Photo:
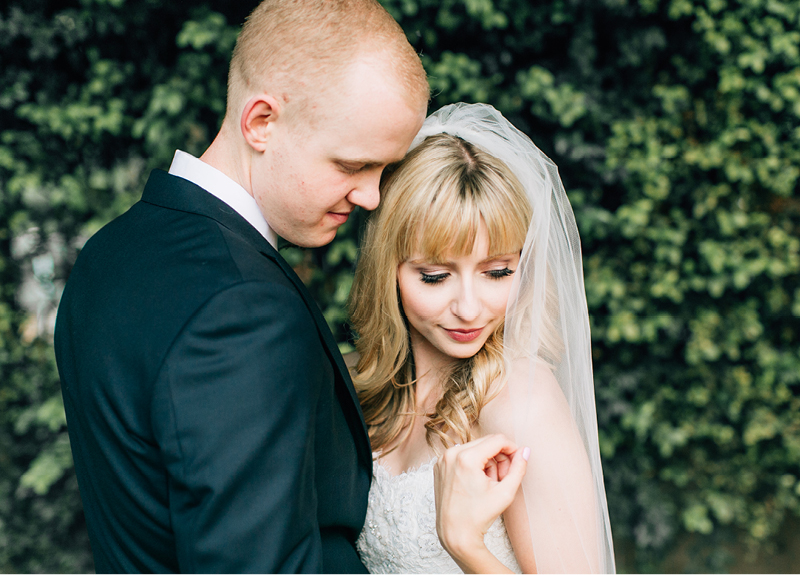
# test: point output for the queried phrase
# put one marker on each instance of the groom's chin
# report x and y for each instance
(313, 240)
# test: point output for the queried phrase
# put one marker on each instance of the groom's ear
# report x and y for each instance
(257, 117)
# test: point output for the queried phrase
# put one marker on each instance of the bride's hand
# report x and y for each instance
(474, 484)
(497, 467)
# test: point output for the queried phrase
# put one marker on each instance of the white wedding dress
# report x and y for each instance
(399, 533)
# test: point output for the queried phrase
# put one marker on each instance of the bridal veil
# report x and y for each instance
(547, 355)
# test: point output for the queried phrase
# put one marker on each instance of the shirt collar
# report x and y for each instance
(222, 187)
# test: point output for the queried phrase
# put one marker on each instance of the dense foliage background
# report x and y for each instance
(676, 126)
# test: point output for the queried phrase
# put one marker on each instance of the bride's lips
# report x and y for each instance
(464, 335)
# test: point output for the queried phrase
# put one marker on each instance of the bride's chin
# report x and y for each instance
(466, 353)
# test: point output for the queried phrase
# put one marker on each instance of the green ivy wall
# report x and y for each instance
(676, 127)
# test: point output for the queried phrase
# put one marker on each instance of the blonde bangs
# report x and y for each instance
(447, 225)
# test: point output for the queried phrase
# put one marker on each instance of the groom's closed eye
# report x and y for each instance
(356, 166)
(350, 169)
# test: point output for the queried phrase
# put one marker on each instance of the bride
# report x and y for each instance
(471, 318)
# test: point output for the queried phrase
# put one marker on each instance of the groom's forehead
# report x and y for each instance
(347, 104)
(300, 47)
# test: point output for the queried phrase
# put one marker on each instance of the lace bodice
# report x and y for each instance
(399, 534)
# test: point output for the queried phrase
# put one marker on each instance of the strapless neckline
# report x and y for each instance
(399, 534)
(379, 467)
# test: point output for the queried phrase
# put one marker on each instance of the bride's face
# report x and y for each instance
(453, 307)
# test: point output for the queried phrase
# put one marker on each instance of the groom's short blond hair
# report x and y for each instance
(295, 49)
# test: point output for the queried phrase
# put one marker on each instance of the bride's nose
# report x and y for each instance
(466, 305)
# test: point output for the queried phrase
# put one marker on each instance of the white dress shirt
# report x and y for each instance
(219, 185)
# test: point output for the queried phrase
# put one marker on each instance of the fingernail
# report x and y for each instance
(526, 453)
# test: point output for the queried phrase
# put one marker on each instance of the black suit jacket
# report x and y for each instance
(213, 423)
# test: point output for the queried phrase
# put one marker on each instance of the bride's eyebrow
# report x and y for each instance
(432, 261)
(499, 257)
(418, 262)
(438, 262)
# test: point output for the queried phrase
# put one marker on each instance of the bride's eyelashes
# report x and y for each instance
(499, 274)
(433, 279)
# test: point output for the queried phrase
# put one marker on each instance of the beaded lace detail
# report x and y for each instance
(399, 534)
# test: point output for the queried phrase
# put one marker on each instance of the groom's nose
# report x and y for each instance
(367, 193)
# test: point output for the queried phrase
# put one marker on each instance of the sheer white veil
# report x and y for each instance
(548, 403)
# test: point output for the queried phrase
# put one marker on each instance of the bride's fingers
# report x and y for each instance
(492, 454)
(503, 465)
(477, 453)
(491, 470)
(509, 485)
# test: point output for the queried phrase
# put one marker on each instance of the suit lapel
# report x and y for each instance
(172, 192)
(352, 407)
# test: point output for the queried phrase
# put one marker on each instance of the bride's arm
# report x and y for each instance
(558, 530)
(470, 495)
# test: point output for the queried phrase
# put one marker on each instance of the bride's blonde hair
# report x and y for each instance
(432, 203)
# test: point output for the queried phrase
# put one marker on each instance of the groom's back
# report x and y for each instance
(134, 286)
(146, 289)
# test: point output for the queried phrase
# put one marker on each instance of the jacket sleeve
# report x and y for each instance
(234, 413)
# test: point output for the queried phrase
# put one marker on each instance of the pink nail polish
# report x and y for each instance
(526, 453)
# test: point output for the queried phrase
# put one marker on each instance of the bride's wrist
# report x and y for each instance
(477, 559)
(464, 548)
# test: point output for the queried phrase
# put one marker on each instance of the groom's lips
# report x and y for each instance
(339, 217)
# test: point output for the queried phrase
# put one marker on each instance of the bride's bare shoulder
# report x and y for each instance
(531, 386)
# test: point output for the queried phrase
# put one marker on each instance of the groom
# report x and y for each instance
(213, 424)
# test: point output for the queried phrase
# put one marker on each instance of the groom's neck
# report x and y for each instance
(231, 156)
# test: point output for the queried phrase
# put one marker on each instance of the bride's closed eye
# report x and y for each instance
(500, 274)
(432, 278)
